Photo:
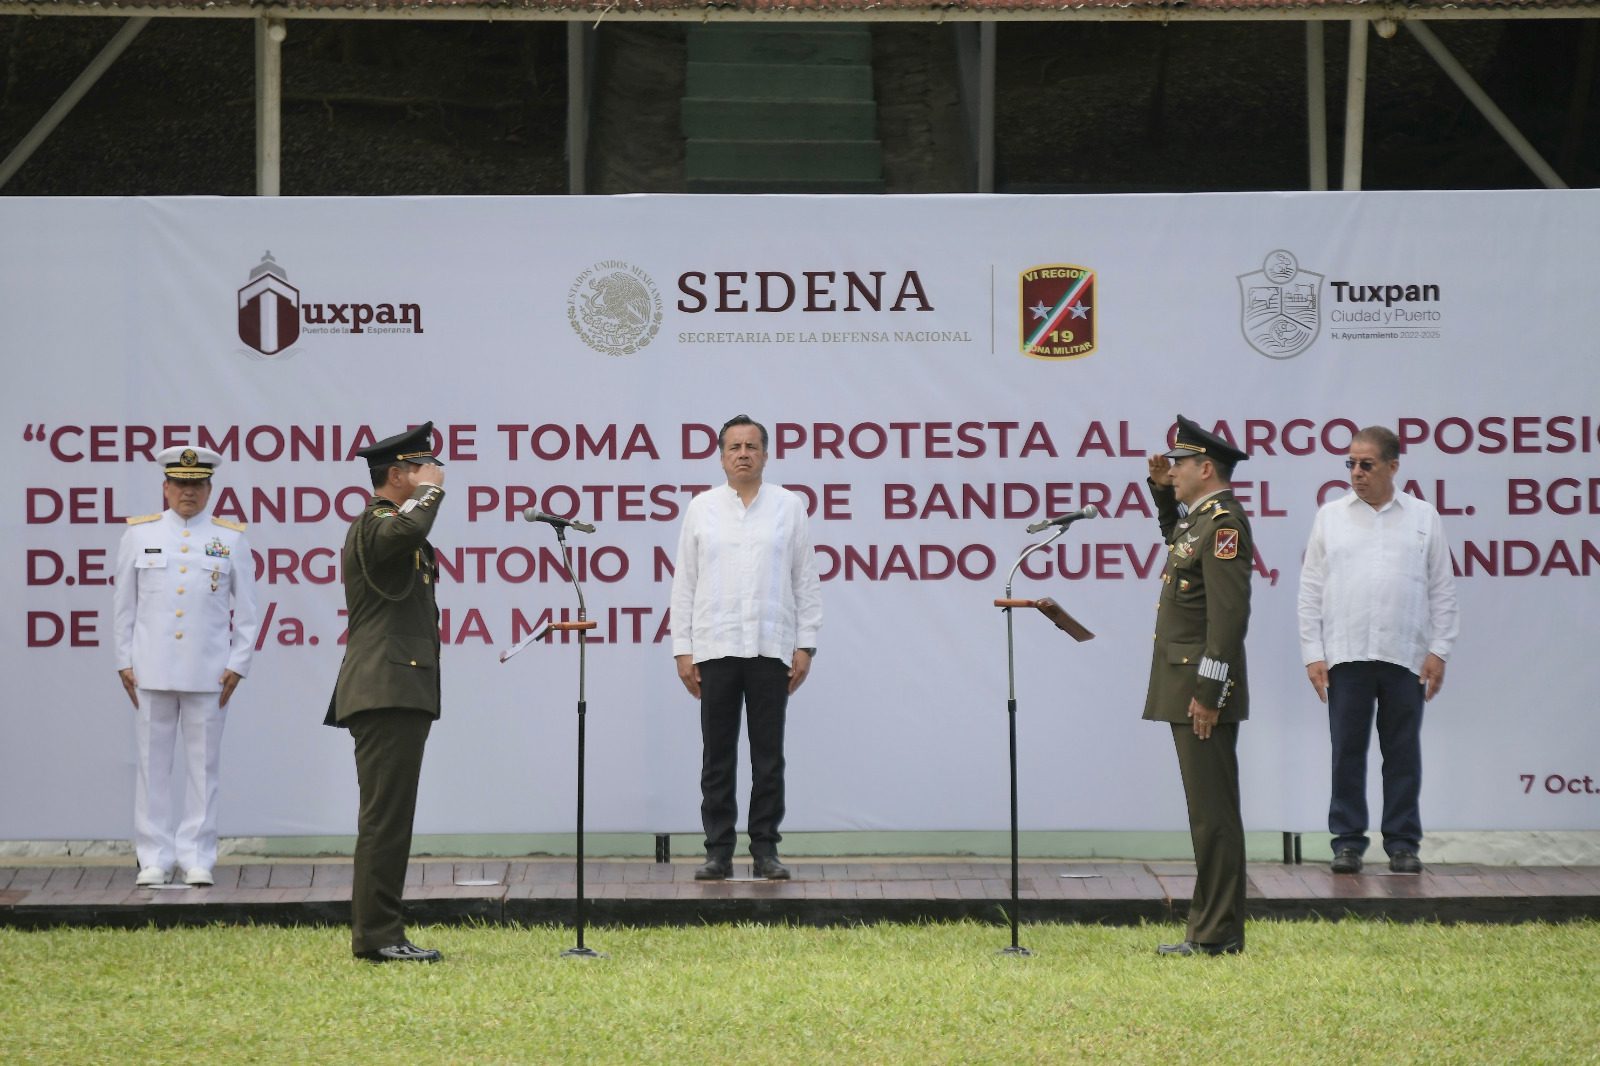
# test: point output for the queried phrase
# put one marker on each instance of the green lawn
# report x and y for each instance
(1306, 992)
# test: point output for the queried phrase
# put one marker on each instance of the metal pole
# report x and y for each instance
(986, 91)
(577, 107)
(75, 92)
(1486, 107)
(1355, 104)
(1011, 722)
(1317, 105)
(269, 105)
(1016, 902)
(583, 711)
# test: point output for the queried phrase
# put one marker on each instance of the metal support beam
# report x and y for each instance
(69, 99)
(1355, 105)
(270, 33)
(579, 40)
(986, 91)
(1486, 107)
(1317, 106)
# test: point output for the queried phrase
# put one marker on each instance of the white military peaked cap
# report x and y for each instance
(188, 463)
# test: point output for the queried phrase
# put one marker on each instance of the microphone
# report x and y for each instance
(1043, 524)
(533, 514)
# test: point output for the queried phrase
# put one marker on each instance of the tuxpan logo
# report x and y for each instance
(1058, 311)
(1280, 306)
(614, 307)
(269, 310)
(273, 316)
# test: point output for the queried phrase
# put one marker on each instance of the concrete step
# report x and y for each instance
(779, 81)
(793, 161)
(772, 120)
(754, 43)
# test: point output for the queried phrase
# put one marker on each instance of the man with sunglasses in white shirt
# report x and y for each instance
(1377, 620)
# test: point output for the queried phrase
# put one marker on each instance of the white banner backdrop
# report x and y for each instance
(575, 353)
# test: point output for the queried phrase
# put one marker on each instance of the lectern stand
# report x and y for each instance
(1067, 624)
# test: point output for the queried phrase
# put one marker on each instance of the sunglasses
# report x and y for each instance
(1365, 464)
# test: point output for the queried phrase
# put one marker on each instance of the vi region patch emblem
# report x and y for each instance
(1058, 311)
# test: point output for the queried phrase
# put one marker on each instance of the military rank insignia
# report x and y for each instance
(1227, 546)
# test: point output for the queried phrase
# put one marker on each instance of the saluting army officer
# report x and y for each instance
(387, 694)
(184, 629)
(1197, 671)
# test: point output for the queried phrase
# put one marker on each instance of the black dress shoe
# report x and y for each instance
(1405, 862)
(769, 868)
(714, 870)
(1347, 861)
(1194, 947)
(405, 951)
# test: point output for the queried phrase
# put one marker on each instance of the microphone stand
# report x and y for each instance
(1008, 604)
(581, 627)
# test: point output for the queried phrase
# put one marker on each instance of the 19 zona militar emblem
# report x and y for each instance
(1058, 311)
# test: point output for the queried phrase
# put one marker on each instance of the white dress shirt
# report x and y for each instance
(745, 582)
(184, 605)
(1377, 585)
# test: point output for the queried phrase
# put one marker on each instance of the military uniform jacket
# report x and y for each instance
(391, 657)
(184, 606)
(1204, 610)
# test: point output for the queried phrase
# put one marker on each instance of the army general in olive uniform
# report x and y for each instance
(1197, 671)
(388, 689)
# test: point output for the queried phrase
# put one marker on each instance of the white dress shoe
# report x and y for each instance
(200, 877)
(151, 876)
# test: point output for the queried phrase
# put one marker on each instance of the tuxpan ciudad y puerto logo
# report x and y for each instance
(1283, 308)
(273, 315)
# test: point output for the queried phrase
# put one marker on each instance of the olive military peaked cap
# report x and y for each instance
(412, 446)
(1192, 440)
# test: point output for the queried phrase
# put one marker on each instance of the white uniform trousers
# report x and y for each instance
(162, 832)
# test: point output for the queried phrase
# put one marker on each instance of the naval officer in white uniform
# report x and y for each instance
(185, 628)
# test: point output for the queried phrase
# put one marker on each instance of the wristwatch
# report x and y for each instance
(809, 651)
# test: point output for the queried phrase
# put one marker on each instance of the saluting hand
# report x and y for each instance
(1160, 470)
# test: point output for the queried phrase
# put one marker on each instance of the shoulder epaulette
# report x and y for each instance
(1221, 513)
(237, 527)
(140, 519)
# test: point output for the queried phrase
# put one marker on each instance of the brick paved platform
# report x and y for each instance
(824, 892)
